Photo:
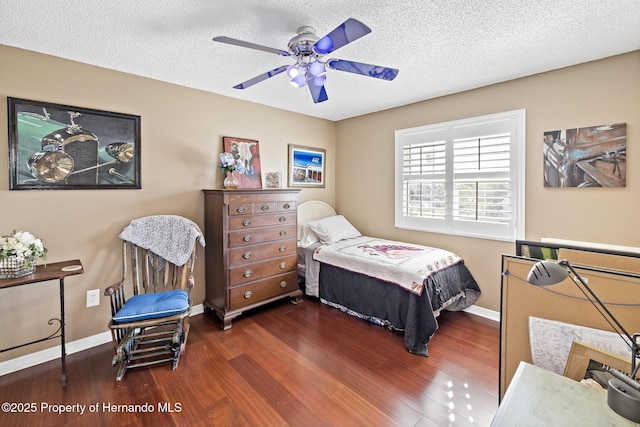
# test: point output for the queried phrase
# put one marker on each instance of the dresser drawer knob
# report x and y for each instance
(282, 219)
(283, 233)
(282, 248)
(264, 208)
(283, 284)
(246, 223)
(247, 273)
(241, 209)
(247, 238)
(283, 265)
(287, 206)
(248, 294)
(246, 255)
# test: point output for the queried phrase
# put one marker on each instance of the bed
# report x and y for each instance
(398, 285)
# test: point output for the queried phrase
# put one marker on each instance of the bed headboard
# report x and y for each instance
(312, 210)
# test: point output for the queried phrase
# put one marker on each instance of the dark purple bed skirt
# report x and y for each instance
(394, 306)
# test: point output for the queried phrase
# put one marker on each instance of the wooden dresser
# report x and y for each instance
(251, 254)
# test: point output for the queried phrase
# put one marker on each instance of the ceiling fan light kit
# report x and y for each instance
(299, 81)
(308, 50)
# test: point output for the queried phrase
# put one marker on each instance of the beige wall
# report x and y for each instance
(182, 133)
(181, 138)
(606, 91)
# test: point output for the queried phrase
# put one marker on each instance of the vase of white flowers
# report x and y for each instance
(228, 166)
(18, 254)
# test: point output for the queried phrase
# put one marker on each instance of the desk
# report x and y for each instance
(53, 271)
(537, 398)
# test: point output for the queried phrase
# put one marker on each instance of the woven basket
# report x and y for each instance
(11, 267)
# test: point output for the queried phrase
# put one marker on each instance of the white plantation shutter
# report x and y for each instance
(464, 177)
(424, 166)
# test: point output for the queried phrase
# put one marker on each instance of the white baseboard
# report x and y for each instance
(197, 309)
(484, 312)
(53, 353)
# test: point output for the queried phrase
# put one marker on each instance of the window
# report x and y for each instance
(464, 177)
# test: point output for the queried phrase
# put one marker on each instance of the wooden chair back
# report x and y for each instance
(151, 273)
(148, 273)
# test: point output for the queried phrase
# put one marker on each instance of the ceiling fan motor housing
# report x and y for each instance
(302, 44)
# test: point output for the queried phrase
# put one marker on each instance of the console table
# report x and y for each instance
(537, 397)
(43, 273)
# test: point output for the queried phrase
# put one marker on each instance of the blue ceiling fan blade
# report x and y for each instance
(318, 93)
(242, 43)
(261, 77)
(376, 71)
(345, 33)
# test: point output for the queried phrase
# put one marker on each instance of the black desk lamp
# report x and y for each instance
(623, 393)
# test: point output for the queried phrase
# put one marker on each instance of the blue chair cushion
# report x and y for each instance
(151, 306)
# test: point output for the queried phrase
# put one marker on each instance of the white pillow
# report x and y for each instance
(306, 236)
(333, 229)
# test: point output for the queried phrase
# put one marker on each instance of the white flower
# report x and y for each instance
(23, 245)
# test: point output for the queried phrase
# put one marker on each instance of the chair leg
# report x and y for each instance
(122, 370)
(175, 361)
(149, 346)
(124, 347)
(185, 335)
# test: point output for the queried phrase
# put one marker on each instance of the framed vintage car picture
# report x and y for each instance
(61, 147)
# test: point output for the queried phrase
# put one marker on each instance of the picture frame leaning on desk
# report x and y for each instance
(583, 355)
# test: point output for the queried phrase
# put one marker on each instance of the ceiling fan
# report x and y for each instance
(308, 51)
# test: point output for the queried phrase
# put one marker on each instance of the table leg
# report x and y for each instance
(62, 337)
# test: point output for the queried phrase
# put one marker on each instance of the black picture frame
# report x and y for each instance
(548, 250)
(62, 147)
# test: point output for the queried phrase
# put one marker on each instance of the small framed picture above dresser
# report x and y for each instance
(307, 166)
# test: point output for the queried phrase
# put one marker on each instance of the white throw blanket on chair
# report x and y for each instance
(170, 236)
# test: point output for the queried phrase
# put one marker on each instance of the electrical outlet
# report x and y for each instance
(93, 298)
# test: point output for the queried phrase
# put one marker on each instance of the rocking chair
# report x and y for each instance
(151, 325)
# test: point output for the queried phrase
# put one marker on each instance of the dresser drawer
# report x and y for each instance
(255, 292)
(259, 204)
(286, 206)
(260, 270)
(245, 222)
(251, 254)
(244, 208)
(261, 235)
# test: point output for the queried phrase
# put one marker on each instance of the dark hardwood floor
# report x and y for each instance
(297, 365)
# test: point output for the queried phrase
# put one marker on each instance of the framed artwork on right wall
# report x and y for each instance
(593, 156)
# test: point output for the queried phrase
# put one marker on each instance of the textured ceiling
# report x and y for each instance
(440, 46)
